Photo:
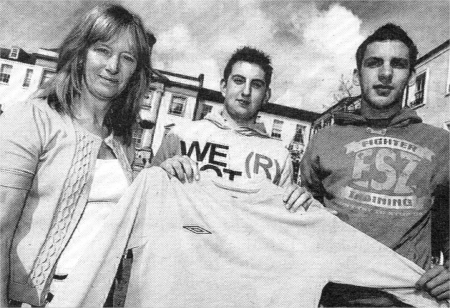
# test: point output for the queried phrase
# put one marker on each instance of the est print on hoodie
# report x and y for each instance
(383, 181)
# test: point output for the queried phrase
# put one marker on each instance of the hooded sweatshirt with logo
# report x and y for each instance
(386, 181)
(244, 154)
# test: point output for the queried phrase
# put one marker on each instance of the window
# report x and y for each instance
(27, 80)
(206, 109)
(177, 105)
(137, 136)
(5, 73)
(14, 53)
(276, 128)
(350, 108)
(148, 100)
(299, 131)
(46, 75)
(420, 90)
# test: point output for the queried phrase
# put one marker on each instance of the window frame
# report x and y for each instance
(28, 76)
(3, 75)
(173, 101)
(137, 133)
(203, 113)
(14, 53)
(44, 71)
(277, 132)
(423, 98)
(147, 101)
(301, 127)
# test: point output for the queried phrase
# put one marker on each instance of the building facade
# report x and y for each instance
(428, 92)
(172, 99)
(22, 73)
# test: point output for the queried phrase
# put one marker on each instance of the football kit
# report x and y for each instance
(214, 244)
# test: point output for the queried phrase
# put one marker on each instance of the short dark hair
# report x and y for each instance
(388, 32)
(251, 55)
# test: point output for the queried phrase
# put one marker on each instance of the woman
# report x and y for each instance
(66, 156)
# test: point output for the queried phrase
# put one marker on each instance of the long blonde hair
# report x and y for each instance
(101, 24)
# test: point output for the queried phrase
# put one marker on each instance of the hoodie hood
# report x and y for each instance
(257, 129)
(404, 117)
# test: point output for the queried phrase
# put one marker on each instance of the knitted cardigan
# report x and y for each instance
(53, 159)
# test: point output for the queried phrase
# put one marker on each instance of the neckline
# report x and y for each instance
(251, 192)
(86, 131)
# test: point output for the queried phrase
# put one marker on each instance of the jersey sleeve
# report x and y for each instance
(360, 260)
(170, 146)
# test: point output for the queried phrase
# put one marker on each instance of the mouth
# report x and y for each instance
(243, 102)
(383, 87)
(383, 90)
(109, 79)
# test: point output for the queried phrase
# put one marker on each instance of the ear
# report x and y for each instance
(268, 95)
(356, 77)
(412, 79)
(223, 87)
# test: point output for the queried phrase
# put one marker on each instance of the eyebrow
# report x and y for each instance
(131, 51)
(256, 79)
(380, 58)
(372, 58)
(401, 59)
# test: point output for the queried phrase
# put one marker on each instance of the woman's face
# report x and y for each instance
(109, 67)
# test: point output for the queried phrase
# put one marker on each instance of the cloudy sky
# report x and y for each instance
(312, 43)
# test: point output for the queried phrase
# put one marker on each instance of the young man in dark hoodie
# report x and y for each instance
(383, 170)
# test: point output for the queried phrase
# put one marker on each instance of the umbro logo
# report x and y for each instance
(196, 229)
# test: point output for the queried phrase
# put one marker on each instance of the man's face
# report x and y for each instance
(384, 73)
(245, 91)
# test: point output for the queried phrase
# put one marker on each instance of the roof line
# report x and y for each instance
(433, 52)
(177, 75)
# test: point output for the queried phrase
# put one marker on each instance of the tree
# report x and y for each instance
(345, 89)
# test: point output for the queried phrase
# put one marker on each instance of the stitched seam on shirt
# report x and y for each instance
(17, 172)
(73, 186)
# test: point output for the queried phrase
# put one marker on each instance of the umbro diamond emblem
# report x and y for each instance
(196, 229)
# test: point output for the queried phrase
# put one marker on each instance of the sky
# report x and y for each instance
(311, 43)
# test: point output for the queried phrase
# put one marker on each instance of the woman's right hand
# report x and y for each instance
(181, 167)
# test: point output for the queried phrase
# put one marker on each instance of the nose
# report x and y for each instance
(113, 64)
(385, 74)
(247, 90)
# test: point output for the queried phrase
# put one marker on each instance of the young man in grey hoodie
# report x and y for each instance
(383, 170)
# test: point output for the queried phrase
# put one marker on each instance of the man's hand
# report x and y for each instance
(436, 281)
(181, 167)
(296, 197)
